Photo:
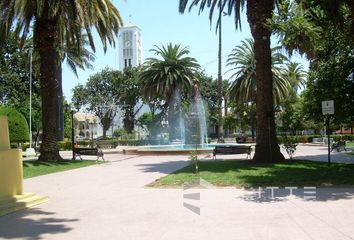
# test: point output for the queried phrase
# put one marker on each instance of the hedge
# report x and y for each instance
(309, 138)
(18, 126)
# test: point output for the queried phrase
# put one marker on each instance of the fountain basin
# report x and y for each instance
(181, 149)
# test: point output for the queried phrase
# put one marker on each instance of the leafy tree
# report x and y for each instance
(79, 98)
(99, 97)
(210, 96)
(245, 114)
(162, 77)
(18, 126)
(14, 80)
(55, 23)
(119, 132)
(229, 122)
(150, 122)
(330, 76)
(128, 93)
(258, 12)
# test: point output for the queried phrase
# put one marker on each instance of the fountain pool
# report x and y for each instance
(181, 149)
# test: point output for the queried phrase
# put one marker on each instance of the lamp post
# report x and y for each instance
(72, 134)
(30, 151)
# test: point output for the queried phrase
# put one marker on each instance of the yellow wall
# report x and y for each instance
(10, 165)
(10, 173)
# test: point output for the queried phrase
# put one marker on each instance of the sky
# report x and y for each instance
(161, 23)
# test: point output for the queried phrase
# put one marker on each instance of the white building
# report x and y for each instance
(130, 46)
(85, 125)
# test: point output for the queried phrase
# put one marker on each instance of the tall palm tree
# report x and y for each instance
(55, 22)
(258, 13)
(74, 58)
(175, 71)
(243, 68)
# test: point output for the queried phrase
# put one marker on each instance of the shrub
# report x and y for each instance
(193, 156)
(119, 132)
(64, 145)
(289, 144)
(18, 126)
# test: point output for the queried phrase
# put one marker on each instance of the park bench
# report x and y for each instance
(89, 152)
(232, 150)
(338, 146)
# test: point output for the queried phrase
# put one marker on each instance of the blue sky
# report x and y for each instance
(161, 23)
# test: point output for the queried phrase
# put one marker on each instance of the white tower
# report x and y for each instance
(130, 47)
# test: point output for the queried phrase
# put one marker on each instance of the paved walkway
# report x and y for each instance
(110, 201)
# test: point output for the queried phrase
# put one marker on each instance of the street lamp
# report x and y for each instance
(72, 134)
(68, 108)
(30, 151)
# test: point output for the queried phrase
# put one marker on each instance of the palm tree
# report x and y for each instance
(74, 58)
(295, 74)
(258, 12)
(243, 67)
(162, 77)
(55, 23)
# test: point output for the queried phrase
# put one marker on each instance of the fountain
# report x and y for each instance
(176, 121)
(199, 111)
(188, 130)
(181, 123)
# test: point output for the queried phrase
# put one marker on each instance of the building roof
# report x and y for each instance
(83, 117)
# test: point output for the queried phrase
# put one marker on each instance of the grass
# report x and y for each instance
(246, 174)
(38, 168)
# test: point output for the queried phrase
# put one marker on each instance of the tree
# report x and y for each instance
(331, 68)
(162, 77)
(79, 98)
(76, 56)
(99, 96)
(243, 68)
(331, 78)
(295, 31)
(55, 23)
(258, 12)
(150, 122)
(14, 80)
(128, 93)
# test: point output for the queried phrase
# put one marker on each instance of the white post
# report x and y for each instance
(30, 101)
(30, 151)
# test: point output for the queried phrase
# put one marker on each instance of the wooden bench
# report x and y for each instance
(232, 150)
(88, 151)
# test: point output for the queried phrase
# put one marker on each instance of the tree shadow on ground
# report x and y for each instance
(338, 157)
(20, 225)
(164, 167)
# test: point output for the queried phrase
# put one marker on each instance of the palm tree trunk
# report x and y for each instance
(59, 105)
(267, 148)
(220, 127)
(45, 34)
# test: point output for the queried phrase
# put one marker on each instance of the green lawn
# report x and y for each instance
(37, 168)
(247, 174)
